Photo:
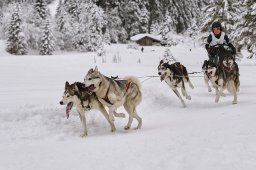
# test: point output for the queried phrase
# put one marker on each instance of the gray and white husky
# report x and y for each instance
(175, 75)
(115, 93)
(77, 95)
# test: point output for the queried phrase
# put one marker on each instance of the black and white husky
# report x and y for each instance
(175, 75)
(224, 76)
(78, 95)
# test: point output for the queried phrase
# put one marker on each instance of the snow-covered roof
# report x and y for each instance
(140, 36)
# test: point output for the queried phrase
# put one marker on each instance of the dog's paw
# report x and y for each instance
(188, 97)
(126, 127)
(113, 129)
(138, 127)
(223, 95)
(83, 135)
(216, 100)
(234, 102)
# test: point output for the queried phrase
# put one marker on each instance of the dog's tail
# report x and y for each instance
(134, 95)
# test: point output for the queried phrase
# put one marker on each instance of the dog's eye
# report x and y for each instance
(89, 78)
(68, 95)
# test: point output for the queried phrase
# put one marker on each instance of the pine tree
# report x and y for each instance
(114, 23)
(40, 8)
(135, 16)
(107, 37)
(16, 43)
(92, 23)
(165, 29)
(245, 34)
(73, 7)
(224, 11)
(47, 41)
(59, 16)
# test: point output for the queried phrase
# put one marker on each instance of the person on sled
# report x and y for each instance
(217, 36)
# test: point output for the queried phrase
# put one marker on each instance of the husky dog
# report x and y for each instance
(115, 93)
(175, 75)
(77, 95)
(207, 71)
(230, 77)
(224, 76)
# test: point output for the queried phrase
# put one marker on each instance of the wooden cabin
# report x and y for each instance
(146, 39)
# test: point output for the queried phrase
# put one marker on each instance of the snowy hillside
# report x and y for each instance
(35, 133)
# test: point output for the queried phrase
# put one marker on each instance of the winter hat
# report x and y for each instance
(216, 24)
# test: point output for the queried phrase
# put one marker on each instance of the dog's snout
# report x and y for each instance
(61, 102)
(159, 73)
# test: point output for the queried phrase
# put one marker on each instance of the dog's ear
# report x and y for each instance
(76, 88)
(90, 71)
(96, 69)
(67, 84)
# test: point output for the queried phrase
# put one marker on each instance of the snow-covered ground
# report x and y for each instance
(35, 134)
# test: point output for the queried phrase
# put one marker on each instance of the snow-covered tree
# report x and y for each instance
(40, 8)
(107, 37)
(47, 41)
(73, 7)
(165, 28)
(225, 11)
(135, 16)
(114, 23)
(93, 21)
(245, 33)
(16, 43)
(155, 28)
(168, 56)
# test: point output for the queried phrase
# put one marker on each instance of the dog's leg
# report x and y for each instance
(138, 119)
(83, 122)
(184, 92)
(132, 114)
(105, 114)
(190, 84)
(234, 93)
(220, 91)
(206, 81)
(113, 108)
(179, 96)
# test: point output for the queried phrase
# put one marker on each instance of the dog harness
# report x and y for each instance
(216, 41)
(127, 86)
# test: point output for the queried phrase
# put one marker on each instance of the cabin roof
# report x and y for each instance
(140, 36)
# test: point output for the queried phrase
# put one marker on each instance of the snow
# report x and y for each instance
(140, 36)
(53, 7)
(35, 133)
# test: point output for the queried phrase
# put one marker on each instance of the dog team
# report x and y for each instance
(99, 91)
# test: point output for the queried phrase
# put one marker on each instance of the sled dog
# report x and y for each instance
(207, 67)
(175, 75)
(230, 78)
(224, 76)
(115, 93)
(78, 95)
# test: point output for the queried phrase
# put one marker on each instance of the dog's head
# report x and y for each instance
(68, 97)
(228, 61)
(73, 93)
(163, 70)
(209, 68)
(93, 79)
